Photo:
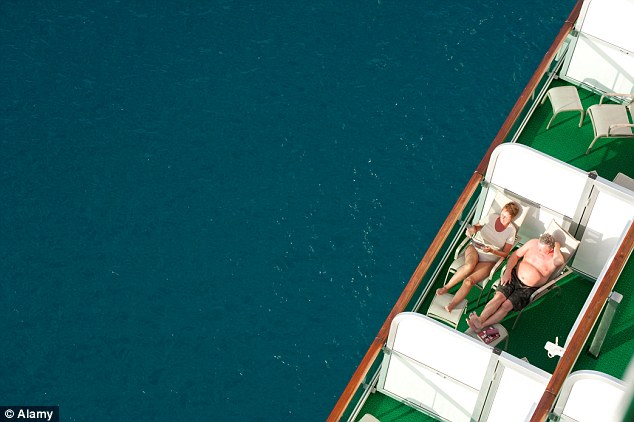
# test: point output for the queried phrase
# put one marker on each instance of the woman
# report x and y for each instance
(498, 232)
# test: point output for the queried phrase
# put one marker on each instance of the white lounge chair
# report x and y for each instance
(568, 248)
(459, 259)
(612, 120)
(436, 308)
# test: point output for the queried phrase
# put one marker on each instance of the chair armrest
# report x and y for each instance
(461, 247)
(615, 94)
(501, 260)
(496, 266)
(486, 280)
(543, 290)
(497, 282)
(618, 126)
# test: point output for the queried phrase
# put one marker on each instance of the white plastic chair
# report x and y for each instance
(564, 98)
(612, 120)
(437, 310)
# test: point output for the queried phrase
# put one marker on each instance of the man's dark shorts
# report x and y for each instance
(517, 292)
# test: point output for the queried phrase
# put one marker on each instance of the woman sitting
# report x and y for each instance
(478, 258)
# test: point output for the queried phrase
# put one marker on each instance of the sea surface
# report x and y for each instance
(208, 208)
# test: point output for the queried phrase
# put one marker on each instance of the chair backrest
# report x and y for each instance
(568, 243)
(624, 180)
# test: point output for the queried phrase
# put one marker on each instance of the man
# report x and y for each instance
(539, 259)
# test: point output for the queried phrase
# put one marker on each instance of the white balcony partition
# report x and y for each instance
(589, 396)
(599, 210)
(611, 217)
(451, 375)
(602, 56)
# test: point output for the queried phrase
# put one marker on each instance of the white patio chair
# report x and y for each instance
(564, 98)
(612, 120)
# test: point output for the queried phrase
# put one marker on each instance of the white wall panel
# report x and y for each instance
(517, 395)
(610, 21)
(601, 66)
(611, 216)
(538, 178)
(603, 55)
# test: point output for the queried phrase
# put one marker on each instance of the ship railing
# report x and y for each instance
(540, 90)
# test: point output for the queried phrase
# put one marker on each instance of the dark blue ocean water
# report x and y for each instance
(208, 208)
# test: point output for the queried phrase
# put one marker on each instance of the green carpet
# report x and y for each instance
(568, 142)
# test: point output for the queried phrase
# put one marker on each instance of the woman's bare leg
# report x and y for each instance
(481, 271)
(470, 262)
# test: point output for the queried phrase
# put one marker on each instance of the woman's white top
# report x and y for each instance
(495, 238)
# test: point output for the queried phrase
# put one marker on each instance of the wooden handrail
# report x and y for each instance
(582, 332)
(450, 221)
(405, 297)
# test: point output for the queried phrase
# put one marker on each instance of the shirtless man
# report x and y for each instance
(539, 258)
